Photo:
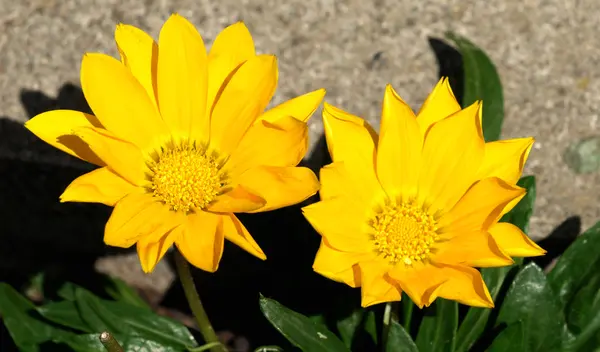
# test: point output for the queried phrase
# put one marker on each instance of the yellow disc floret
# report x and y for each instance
(185, 178)
(403, 233)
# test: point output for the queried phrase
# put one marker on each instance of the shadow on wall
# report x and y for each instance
(39, 233)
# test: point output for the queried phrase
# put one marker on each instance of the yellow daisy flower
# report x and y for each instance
(183, 142)
(417, 208)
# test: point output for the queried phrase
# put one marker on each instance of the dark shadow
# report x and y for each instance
(450, 64)
(38, 232)
(559, 240)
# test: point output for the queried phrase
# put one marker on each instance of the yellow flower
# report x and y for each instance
(183, 142)
(417, 208)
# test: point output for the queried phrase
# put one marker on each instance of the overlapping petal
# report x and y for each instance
(242, 100)
(99, 186)
(201, 242)
(506, 159)
(139, 53)
(235, 232)
(280, 143)
(339, 266)
(400, 144)
(232, 47)
(280, 186)
(453, 152)
(119, 101)
(56, 128)
(301, 108)
(440, 104)
(183, 79)
(513, 241)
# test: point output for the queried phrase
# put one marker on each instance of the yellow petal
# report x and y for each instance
(300, 108)
(351, 140)
(480, 207)
(452, 154)
(138, 215)
(139, 53)
(344, 227)
(464, 285)
(236, 232)
(232, 47)
(336, 181)
(506, 159)
(56, 128)
(99, 186)
(243, 99)
(150, 250)
(280, 186)
(338, 266)
(119, 101)
(399, 148)
(280, 143)
(440, 104)
(182, 79)
(121, 156)
(377, 287)
(202, 240)
(419, 282)
(513, 241)
(237, 200)
(476, 248)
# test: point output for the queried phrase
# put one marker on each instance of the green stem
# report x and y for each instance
(109, 342)
(187, 282)
(387, 320)
(407, 312)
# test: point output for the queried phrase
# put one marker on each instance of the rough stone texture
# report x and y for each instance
(546, 51)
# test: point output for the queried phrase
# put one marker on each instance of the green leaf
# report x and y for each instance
(510, 339)
(476, 319)
(531, 300)
(300, 330)
(370, 325)
(64, 313)
(437, 331)
(120, 291)
(399, 340)
(347, 327)
(18, 315)
(91, 343)
(583, 315)
(482, 82)
(577, 263)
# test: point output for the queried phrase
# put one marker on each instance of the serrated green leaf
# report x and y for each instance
(576, 264)
(531, 300)
(64, 313)
(300, 330)
(399, 340)
(476, 319)
(511, 339)
(482, 82)
(18, 315)
(437, 331)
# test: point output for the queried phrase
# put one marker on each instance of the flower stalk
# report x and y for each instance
(191, 294)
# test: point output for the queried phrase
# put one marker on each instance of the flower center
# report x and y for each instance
(404, 233)
(185, 178)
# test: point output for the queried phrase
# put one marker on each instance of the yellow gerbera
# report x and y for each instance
(182, 141)
(417, 208)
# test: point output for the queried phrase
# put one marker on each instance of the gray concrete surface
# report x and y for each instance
(547, 53)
